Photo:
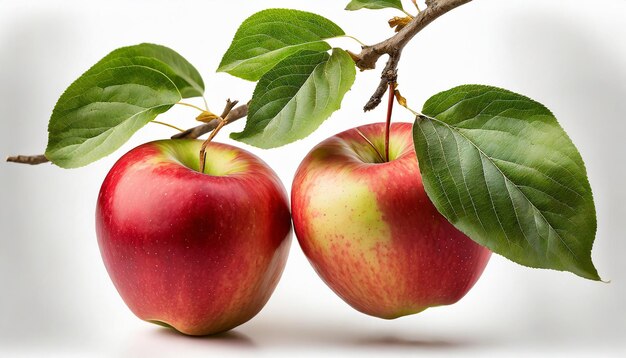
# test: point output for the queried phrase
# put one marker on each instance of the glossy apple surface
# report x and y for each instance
(201, 253)
(370, 231)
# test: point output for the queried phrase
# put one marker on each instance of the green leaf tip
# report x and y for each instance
(374, 4)
(500, 168)
(269, 36)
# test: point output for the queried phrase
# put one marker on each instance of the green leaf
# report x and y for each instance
(269, 36)
(500, 168)
(161, 58)
(104, 107)
(374, 4)
(295, 97)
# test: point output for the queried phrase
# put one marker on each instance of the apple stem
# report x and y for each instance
(392, 86)
(206, 143)
(223, 120)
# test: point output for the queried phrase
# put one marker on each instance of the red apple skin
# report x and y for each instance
(371, 232)
(200, 253)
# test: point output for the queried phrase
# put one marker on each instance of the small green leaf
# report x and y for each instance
(295, 97)
(269, 36)
(374, 4)
(104, 107)
(500, 168)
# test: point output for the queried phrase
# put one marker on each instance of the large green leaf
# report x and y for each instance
(374, 4)
(269, 36)
(500, 168)
(295, 97)
(161, 58)
(104, 107)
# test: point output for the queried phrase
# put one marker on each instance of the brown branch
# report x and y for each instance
(228, 107)
(366, 60)
(195, 132)
(28, 159)
(389, 75)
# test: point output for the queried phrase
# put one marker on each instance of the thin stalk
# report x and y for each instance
(407, 13)
(167, 125)
(206, 143)
(191, 105)
(206, 105)
(392, 97)
(416, 5)
(357, 40)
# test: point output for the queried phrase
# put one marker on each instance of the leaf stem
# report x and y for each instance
(416, 5)
(408, 14)
(355, 39)
(402, 101)
(191, 105)
(415, 113)
(206, 105)
(167, 125)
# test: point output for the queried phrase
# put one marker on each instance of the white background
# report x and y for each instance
(55, 295)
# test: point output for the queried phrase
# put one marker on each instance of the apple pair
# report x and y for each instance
(203, 252)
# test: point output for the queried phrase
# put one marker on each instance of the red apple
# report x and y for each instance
(201, 253)
(370, 231)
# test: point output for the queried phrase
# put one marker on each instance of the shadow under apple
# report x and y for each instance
(389, 341)
(158, 341)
